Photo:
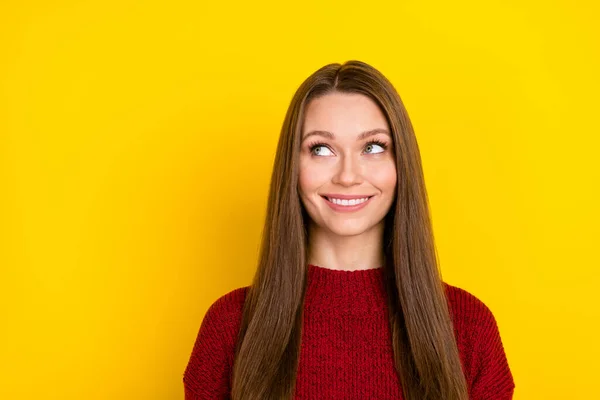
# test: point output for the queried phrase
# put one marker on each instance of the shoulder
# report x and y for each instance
(472, 319)
(229, 303)
(466, 308)
(472, 314)
(224, 314)
(480, 345)
(220, 326)
(211, 360)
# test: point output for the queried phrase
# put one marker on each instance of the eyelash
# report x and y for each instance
(383, 145)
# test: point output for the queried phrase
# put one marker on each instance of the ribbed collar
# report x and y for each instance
(346, 291)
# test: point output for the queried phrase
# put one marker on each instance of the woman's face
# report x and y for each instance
(338, 159)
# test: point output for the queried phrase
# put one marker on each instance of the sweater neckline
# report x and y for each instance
(353, 291)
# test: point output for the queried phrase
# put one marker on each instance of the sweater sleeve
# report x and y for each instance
(493, 379)
(207, 373)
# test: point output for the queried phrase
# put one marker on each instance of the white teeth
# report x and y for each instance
(352, 202)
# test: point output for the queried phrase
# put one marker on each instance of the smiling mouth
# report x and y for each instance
(345, 202)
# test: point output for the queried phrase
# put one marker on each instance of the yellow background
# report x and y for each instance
(136, 145)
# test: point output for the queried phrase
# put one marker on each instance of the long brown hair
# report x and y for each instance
(425, 351)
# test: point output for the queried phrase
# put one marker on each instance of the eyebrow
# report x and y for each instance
(361, 136)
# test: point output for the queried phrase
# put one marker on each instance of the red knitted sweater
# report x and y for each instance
(346, 349)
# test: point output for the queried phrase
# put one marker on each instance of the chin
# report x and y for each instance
(348, 229)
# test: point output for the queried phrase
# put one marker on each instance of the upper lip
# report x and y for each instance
(346, 196)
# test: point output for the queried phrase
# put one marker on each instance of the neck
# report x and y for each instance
(346, 252)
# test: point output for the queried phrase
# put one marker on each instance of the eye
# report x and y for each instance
(378, 144)
(368, 147)
(318, 146)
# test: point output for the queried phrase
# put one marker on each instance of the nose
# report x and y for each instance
(349, 171)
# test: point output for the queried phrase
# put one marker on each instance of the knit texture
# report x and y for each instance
(346, 350)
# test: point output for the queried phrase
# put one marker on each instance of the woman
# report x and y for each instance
(347, 301)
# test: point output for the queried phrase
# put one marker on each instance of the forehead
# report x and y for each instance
(343, 114)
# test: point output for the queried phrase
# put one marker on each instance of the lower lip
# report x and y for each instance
(340, 208)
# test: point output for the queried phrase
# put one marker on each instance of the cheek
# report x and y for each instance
(308, 179)
(386, 177)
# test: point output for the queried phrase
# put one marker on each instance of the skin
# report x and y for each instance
(346, 165)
